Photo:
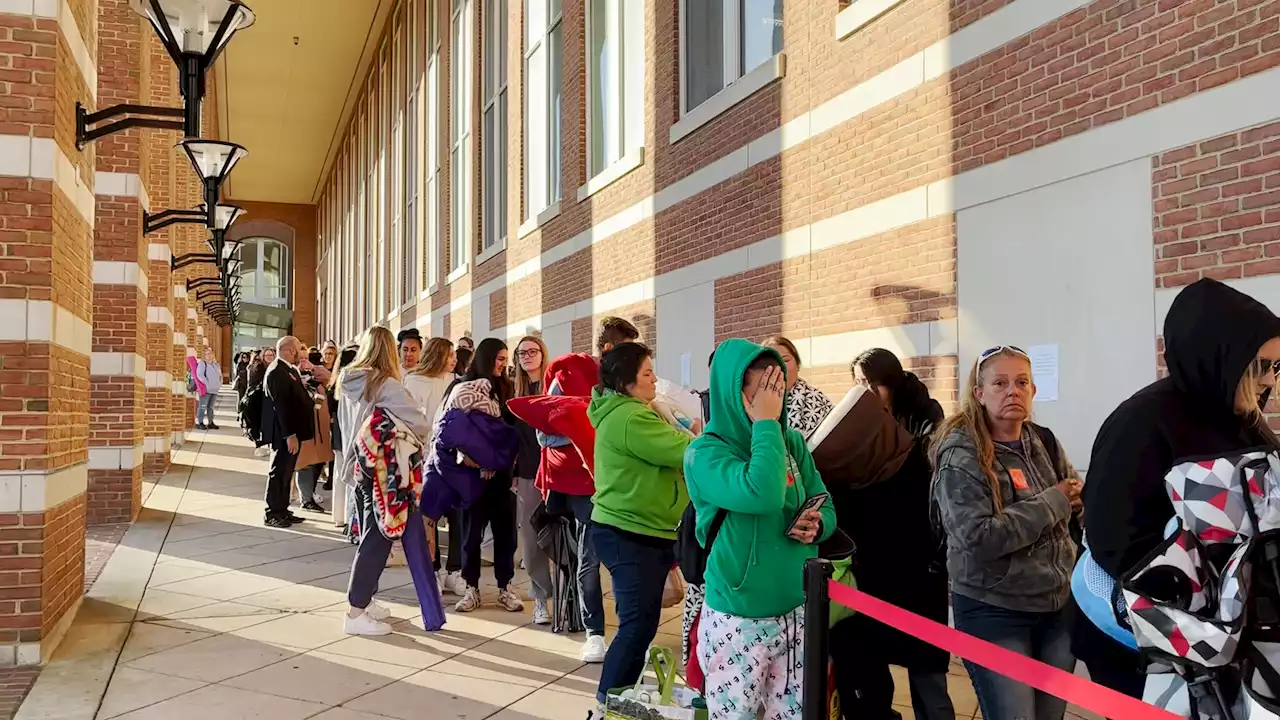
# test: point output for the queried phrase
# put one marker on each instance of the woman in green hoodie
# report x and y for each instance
(749, 476)
(640, 496)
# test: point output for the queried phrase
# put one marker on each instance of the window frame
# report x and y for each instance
(432, 214)
(493, 154)
(542, 141)
(625, 101)
(461, 82)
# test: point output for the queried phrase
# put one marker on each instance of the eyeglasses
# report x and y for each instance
(532, 352)
(992, 352)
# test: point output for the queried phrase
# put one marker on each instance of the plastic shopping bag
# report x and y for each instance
(673, 590)
(664, 701)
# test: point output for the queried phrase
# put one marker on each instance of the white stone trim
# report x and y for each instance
(191, 313)
(551, 212)
(178, 388)
(43, 321)
(180, 291)
(41, 158)
(179, 338)
(735, 92)
(116, 364)
(122, 185)
(156, 379)
(160, 315)
(84, 57)
(481, 258)
(115, 272)
(623, 165)
(153, 444)
(38, 490)
(458, 273)
(860, 14)
(158, 252)
(115, 458)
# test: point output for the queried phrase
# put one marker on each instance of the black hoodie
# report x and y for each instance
(1211, 334)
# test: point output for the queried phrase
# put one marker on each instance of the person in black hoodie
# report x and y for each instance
(1222, 349)
(898, 560)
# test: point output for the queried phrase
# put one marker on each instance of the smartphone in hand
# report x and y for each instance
(814, 503)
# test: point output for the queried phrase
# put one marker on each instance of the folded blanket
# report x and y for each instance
(473, 395)
(859, 443)
(390, 455)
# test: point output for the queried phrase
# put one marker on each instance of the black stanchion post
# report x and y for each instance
(817, 616)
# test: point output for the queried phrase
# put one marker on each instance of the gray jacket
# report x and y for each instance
(1020, 558)
(354, 411)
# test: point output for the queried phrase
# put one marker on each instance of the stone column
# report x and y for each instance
(47, 54)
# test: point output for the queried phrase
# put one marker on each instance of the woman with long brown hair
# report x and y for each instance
(1006, 494)
(806, 404)
(531, 366)
(372, 381)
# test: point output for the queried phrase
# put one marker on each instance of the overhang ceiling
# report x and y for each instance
(285, 87)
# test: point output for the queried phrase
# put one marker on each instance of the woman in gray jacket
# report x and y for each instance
(372, 381)
(1006, 494)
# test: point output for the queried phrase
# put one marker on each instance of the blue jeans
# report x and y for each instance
(639, 572)
(1041, 636)
(592, 597)
(204, 408)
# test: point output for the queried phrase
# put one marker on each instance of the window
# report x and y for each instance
(724, 40)
(383, 198)
(615, 74)
(265, 271)
(412, 268)
(460, 152)
(494, 153)
(433, 152)
(395, 101)
(542, 72)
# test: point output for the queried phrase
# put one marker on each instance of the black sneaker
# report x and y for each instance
(211, 426)
(290, 517)
(328, 484)
(200, 426)
(277, 522)
(313, 506)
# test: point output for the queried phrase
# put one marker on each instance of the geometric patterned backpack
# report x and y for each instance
(1205, 604)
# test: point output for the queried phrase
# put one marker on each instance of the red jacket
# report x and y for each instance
(562, 411)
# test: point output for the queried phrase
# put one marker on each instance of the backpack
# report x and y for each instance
(1054, 450)
(691, 556)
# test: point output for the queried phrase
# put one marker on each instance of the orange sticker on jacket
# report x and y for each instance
(1019, 479)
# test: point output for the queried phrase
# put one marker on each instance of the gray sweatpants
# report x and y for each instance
(536, 561)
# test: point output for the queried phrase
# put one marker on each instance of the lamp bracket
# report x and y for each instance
(88, 128)
(151, 222)
(177, 263)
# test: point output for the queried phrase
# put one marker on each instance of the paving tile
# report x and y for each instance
(132, 689)
(220, 702)
(296, 630)
(548, 704)
(214, 659)
(322, 677)
(225, 586)
(147, 638)
(449, 697)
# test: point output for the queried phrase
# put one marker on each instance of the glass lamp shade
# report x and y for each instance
(195, 27)
(224, 215)
(213, 160)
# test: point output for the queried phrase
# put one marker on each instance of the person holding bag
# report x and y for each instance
(754, 486)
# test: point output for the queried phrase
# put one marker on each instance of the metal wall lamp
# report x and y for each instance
(194, 33)
(213, 161)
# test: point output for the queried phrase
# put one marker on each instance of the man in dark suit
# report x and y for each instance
(291, 408)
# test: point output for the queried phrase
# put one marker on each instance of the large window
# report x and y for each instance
(395, 101)
(724, 40)
(494, 154)
(383, 198)
(615, 75)
(460, 152)
(412, 271)
(542, 72)
(265, 271)
(433, 150)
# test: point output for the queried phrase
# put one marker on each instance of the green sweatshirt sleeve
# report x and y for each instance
(653, 440)
(756, 486)
(813, 485)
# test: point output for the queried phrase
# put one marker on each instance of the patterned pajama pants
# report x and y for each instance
(754, 667)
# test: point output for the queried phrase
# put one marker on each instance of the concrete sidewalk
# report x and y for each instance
(203, 613)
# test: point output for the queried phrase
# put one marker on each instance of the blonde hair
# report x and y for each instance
(524, 383)
(972, 419)
(1247, 392)
(435, 357)
(377, 355)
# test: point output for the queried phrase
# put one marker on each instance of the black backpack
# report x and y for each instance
(691, 556)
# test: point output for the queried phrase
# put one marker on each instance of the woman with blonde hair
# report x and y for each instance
(1222, 349)
(531, 366)
(372, 381)
(1006, 494)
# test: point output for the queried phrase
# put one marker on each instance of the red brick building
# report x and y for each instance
(930, 176)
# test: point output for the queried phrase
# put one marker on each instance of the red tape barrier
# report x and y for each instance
(1046, 678)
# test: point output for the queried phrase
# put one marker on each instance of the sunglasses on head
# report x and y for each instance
(992, 352)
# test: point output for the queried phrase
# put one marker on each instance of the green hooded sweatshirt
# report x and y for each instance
(754, 569)
(639, 456)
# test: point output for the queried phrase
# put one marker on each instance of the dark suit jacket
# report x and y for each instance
(290, 404)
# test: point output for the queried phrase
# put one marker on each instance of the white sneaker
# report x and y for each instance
(262, 451)
(470, 600)
(541, 616)
(377, 611)
(593, 650)
(510, 601)
(454, 583)
(364, 624)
